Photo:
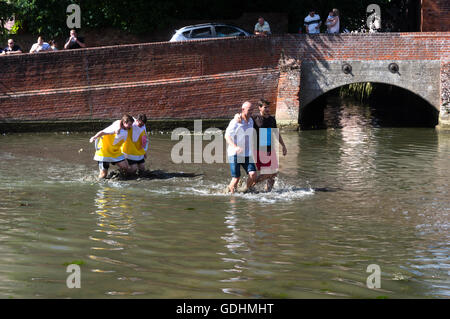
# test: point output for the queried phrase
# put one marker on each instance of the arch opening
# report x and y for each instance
(368, 104)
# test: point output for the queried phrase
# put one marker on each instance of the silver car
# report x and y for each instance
(207, 31)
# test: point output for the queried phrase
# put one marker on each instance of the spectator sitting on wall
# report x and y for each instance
(40, 45)
(54, 45)
(262, 27)
(333, 21)
(312, 23)
(12, 48)
(74, 42)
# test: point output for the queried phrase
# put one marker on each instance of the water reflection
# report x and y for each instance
(115, 224)
(237, 246)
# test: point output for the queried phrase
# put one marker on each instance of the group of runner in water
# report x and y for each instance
(124, 143)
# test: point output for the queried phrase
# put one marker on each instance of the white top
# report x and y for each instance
(137, 132)
(262, 28)
(123, 134)
(335, 28)
(242, 135)
(312, 26)
(36, 47)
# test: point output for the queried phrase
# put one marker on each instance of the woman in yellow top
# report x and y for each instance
(109, 147)
(135, 147)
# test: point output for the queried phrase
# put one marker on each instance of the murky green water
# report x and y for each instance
(179, 237)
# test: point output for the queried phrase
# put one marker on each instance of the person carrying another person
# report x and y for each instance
(262, 27)
(12, 48)
(239, 137)
(74, 42)
(135, 146)
(332, 22)
(267, 159)
(109, 147)
(312, 23)
(40, 45)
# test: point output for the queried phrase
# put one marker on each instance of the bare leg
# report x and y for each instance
(270, 182)
(132, 169)
(233, 184)
(251, 180)
(141, 167)
(103, 173)
(123, 167)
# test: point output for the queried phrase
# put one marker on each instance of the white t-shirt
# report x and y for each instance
(335, 28)
(36, 47)
(123, 134)
(312, 22)
(242, 136)
(137, 132)
(262, 28)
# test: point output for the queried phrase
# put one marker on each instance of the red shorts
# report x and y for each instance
(267, 163)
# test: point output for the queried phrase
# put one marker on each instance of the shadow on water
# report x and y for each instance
(156, 174)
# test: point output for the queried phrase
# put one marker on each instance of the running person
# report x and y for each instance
(135, 147)
(109, 146)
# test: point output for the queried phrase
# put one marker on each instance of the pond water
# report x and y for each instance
(345, 199)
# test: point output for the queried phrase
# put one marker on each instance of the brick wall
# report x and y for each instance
(435, 15)
(201, 79)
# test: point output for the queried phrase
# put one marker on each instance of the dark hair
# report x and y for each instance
(127, 118)
(142, 117)
(262, 102)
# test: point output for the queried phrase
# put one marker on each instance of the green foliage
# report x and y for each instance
(48, 17)
(360, 91)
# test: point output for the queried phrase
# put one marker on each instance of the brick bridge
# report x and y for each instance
(209, 79)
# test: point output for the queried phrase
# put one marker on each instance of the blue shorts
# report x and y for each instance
(248, 165)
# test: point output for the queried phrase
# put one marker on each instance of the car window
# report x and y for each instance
(201, 33)
(227, 31)
(186, 33)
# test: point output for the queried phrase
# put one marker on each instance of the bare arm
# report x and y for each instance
(99, 134)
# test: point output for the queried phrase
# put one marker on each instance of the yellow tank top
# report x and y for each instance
(107, 151)
(134, 150)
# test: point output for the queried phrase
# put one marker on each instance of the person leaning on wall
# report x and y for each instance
(74, 41)
(12, 48)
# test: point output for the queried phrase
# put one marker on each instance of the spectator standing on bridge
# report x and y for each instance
(54, 45)
(312, 23)
(262, 27)
(40, 45)
(74, 42)
(333, 21)
(12, 48)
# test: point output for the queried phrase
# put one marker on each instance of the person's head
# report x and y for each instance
(126, 122)
(73, 33)
(53, 43)
(141, 120)
(40, 40)
(11, 43)
(312, 13)
(247, 108)
(335, 12)
(261, 20)
(263, 106)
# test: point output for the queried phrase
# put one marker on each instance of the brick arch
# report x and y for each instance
(419, 77)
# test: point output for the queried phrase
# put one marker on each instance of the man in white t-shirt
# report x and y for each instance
(240, 137)
(312, 23)
(262, 27)
(40, 45)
